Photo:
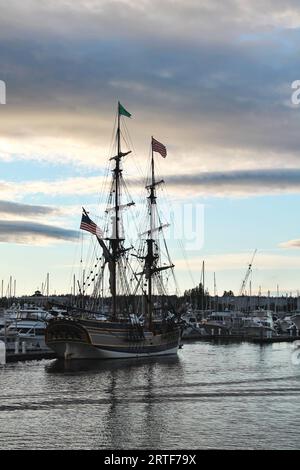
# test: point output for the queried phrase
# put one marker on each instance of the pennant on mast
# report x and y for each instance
(123, 111)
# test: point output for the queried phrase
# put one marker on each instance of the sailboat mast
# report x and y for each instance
(204, 299)
(202, 282)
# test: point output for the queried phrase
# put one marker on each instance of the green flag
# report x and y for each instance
(123, 111)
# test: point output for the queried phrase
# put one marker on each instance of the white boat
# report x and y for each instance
(29, 331)
(256, 323)
(191, 326)
(221, 323)
(295, 319)
(260, 323)
(26, 311)
(25, 324)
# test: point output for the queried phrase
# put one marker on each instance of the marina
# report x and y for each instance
(23, 328)
(149, 229)
(121, 306)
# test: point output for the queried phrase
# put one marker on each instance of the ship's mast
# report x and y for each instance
(151, 258)
(115, 239)
(116, 247)
(112, 245)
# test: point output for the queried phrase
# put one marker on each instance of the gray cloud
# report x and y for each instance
(188, 18)
(197, 96)
(15, 208)
(233, 183)
(210, 76)
(239, 182)
(31, 232)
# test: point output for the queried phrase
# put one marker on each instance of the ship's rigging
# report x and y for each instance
(135, 273)
(128, 319)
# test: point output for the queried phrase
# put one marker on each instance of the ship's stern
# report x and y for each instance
(68, 339)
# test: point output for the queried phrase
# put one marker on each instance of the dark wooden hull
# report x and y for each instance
(93, 339)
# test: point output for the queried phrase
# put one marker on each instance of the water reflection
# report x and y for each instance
(142, 415)
(84, 365)
(154, 419)
(126, 396)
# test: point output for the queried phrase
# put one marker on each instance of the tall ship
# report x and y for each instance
(128, 312)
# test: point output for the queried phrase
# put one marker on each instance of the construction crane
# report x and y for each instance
(248, 272)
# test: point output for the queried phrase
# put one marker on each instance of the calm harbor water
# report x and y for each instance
(230, 396)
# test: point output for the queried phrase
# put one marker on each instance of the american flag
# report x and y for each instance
(90, 226)
(158, 147)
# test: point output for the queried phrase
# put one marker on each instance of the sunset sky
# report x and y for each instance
(210, 79)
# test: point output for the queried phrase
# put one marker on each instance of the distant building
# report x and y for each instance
(37, 294)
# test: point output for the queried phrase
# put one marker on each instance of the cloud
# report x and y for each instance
(239, 183)
(218, 97)
(12, 231)
(18, 209)
(66, 187)
(211, 93)
(290, 244)
(170, 18)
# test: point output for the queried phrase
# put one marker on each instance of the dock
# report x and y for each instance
(276, 339)
(30, 356)
(237, 337)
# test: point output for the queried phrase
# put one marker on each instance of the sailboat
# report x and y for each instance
(135, 323)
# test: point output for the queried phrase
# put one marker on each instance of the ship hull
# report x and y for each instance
(83, 351)
(107, 340)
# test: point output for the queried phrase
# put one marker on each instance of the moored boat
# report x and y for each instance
(126, 332)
